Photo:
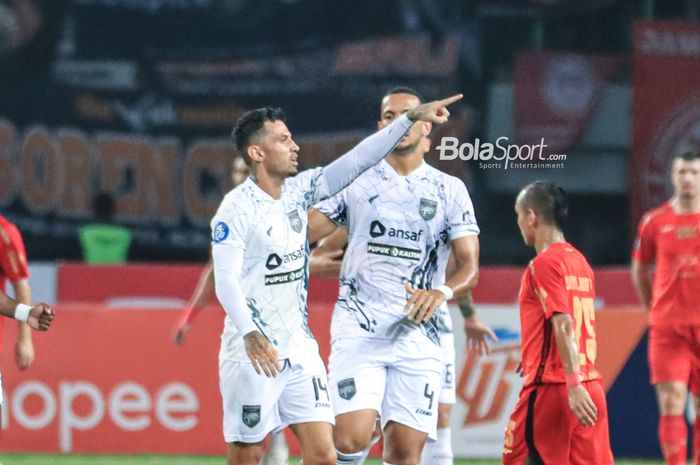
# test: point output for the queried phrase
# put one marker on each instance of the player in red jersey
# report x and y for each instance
(669, 238)
(561, 416)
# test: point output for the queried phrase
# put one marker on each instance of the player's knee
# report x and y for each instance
(320, 456)
(402, 454)
(351, 443)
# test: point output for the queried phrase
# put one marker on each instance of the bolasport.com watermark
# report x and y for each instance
(502, 154)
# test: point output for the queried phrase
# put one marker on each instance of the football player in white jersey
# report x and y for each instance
(270, 372)
(403, 218)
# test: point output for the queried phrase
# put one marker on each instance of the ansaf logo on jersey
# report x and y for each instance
(377, 229)
(274, 260)
(294, 220)
(220, 232)
(284, 278)
(427, 209)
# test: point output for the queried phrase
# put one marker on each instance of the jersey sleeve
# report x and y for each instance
(550, 286)
(229, 227)
(645, 244)
(335, 208)
(13, 258)
(308, 187)
(460, 212)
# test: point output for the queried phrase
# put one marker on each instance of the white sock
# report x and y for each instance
(439, 452)
(278, 440)
(354, 458)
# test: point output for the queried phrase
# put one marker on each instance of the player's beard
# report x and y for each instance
(407, 150)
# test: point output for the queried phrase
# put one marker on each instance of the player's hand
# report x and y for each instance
(40, 317)
(421, 303)
(24, 353)
(582, 405)
(262, 353)
(433, 112)
(180, 336)
(478, 335)
(326, 264)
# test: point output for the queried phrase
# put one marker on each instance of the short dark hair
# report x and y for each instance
(405, 90)
(547, 200)
(250, 123)
(689, 155)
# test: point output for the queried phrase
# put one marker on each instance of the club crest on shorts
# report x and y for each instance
(347, 389)
(294, 220)
(251, 415)
(427, 209)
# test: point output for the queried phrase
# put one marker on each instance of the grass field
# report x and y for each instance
(37, 459)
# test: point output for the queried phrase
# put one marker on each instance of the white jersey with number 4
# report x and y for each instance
(400, 229)
(274, 276)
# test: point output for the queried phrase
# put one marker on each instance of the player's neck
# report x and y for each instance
(405, 164)
(271, 185)
(546, 237)
(685, 206)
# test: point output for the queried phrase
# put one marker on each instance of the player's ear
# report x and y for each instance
(255, 153)
(427, 127)
(531, 218)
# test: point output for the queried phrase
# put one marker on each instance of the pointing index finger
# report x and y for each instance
(451, 100)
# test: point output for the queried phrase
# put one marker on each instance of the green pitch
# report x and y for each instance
(37, 459)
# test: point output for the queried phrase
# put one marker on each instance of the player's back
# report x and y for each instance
(558, 280)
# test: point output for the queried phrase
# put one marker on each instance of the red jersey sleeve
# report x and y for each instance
(13, 258)
(645, 244)
(549, 283)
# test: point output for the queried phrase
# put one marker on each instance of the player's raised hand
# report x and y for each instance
(433, 112)
(262, 353)
(478, 335)
(582, 405)
(40, 317)
(421, 303)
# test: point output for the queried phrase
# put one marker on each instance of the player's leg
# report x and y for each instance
(439, 452)
(591, 445)
(539, 428)
(696, 429)
(409, 409)
(670, 364)
(694, 388)
(357, 383)
(305, 405)
(250, 404)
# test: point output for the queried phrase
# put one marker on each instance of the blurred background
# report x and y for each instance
(136, 99)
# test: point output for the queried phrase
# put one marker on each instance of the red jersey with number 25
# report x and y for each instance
(558, 280)
(672, 241)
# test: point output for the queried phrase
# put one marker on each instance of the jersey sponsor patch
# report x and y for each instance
(393, 251)
(284, 278)
(250, 415)
(220, 232)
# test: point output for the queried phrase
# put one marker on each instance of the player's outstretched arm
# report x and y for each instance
(38, 317)
(374, 148)
(326, 259)
(580, 401)
(202, 294)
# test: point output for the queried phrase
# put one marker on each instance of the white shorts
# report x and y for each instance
(447, 392)
(254, 404)
(399, 379)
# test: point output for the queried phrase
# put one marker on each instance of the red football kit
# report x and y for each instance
(13, 259)
(542, 427)
(671, 241)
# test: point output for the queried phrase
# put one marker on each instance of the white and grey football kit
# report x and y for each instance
(260, 251)
(400, 229)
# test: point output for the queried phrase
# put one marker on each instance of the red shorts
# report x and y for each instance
(544, 429)
(674, 354)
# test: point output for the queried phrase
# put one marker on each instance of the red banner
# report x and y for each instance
(555, 95)
(666, 107)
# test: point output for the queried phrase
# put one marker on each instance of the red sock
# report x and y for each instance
(696, 440)
(673, 437)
